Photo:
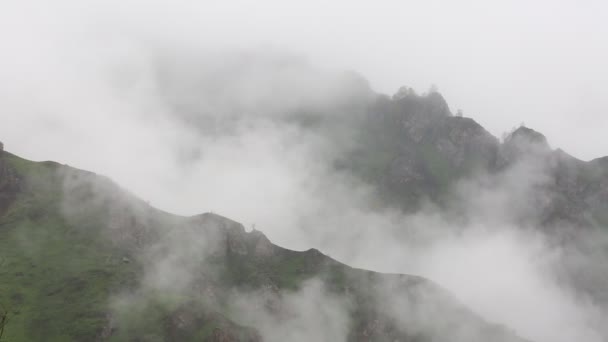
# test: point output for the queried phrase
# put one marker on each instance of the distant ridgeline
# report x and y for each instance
(412, 148)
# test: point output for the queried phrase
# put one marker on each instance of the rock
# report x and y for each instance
(523, 143)
(263, 246)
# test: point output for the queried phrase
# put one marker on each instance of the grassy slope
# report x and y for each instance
(53, 273)
(58, 276)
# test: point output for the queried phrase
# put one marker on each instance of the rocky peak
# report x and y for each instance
(527, 136)
(432, 104)
(524, 143)
(416, 114)
(404, 92)
(232, 237)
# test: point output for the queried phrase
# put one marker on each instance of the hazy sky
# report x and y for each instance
(502, 62)
(80, 86)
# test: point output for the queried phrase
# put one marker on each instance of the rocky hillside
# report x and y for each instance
(413, 149)
(83, 260)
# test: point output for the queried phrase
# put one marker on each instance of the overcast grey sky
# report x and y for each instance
(502, 62)
(540, 62)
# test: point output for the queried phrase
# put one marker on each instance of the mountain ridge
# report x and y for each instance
(90, 267)
(428, 150)
(134, 272)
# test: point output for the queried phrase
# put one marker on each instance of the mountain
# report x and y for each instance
(83, 260)
(411, 148)
(414, 151)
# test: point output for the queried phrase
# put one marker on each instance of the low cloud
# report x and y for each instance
(194, 128)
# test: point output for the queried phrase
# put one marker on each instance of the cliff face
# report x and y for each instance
(436, 148)
(411, 147)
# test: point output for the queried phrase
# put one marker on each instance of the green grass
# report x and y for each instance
(56, 280)
(64, 280)
(56, 277)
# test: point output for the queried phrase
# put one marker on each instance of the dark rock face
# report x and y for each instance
(419, 148)
(413, 149)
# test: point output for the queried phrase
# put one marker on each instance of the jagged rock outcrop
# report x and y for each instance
(413, 149)
(419, 147)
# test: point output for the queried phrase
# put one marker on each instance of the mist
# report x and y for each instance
(502, 63)
(190, 107)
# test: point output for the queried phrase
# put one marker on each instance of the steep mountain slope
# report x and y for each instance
(427, 149)
(83, 260)
(413, 149)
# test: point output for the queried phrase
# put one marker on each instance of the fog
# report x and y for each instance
(539, 62)
(187, 105)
